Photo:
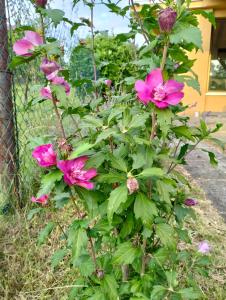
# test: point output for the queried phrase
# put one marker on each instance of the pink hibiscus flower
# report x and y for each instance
(49, 68)
(154, 89)
(61, 81)
(45, 155)
(74, 173)
(26, 45)
(42, 200)
(108, 82)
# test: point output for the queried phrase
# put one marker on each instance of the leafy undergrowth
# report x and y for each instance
(25, 267)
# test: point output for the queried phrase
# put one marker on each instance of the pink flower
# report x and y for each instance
(46, 93)
(27, 44)
(204, 247)
(108, 82)
(74, 173)
(154, 89)
(61, 81)
(42, 200)
(45, 155)
(41, 3)
(132, 185)
(167, 19)
(190, 202)
(49, 68)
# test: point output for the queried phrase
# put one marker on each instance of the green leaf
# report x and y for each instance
(56, 15)
(48, 182)
(59, 92)
(117, 197)
(85, 265)
(97, 296)
(212, 157)
(75, 26)
(81, 149)
(43, 235)
(164, 120)
(166, 234)
(190, 81)
(79, 244)
(91, 199)
(111, 178)
(138, 160)
(171, 278)
(144, 209)
(183, 131)
(105, 134)
(127, 226)
(61, 199)
(181, 212)
(209, 15)
(158, 292)
(126, 254)
(33, 212)
(96, 160)
(138, 120)
(186, 33)
(163, 190)
(110, 287)
(91, 121)
(189, 293)
(57, 257)
(151, 172)
(118, 163)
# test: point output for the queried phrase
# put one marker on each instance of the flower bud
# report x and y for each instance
(41, 3)
(108, 82)
(132, 185)
(167, 19)
(190, 202)
(49, 68)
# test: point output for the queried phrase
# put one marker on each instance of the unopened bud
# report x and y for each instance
(41, 3)
(167, 19)
(132, 185)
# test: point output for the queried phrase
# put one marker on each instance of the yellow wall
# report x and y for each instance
(207, 101)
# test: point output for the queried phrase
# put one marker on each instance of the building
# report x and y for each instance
(211, 62)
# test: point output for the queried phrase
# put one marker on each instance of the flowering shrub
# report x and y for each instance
(127, 239)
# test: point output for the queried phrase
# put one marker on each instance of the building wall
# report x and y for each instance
(207, 101)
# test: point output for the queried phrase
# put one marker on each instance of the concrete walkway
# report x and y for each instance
(211, 180)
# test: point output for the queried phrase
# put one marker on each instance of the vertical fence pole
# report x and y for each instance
(8, 169)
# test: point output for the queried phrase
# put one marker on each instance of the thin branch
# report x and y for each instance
(143, 266)
(93, 47)
(59, 119)
(145, 34)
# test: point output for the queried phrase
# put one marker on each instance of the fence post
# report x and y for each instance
(8, 167)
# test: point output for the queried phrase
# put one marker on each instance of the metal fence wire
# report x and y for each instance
(21, 119)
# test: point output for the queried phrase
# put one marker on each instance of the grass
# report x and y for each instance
(25, 268)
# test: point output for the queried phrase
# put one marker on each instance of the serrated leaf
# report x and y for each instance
(163, 191)
(85, 265)
(56, 15)
(80, 149)
(118, 163)
(43, 235)
(158, 292)
(33, 212)
(164, 120)
(127, 226)
(105, 134)
(189, 293)
(91, 121)
(91, 199)
(110, 287)
(117, 197)
(111, 178)
(138, 120)
(151, 172)
(166, 234)
(183, 131)
(57, 257)
(48, 182)
(187, 33)
(138, 160)
(79, 244)
(126, 254)
(144, 209)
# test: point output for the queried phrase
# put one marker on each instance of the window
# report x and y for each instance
(217, 80)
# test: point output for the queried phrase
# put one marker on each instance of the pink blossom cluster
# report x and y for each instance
(25, 47)
(74, 170)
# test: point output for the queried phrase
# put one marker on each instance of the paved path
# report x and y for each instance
(211, 180)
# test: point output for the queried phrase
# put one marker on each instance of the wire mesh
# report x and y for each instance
(21, 118)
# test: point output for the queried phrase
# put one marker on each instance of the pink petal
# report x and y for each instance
(23, 47)
(86, 184)
(90, 174)
(46, 93)
(62, 165)
(51, 76)
(173, 86)
(143, 91)
(175, 98)
(160, 104)
(79, 162)
(33, 37)
(154, 78)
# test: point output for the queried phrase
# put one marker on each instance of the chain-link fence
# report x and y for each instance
(21, 118)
